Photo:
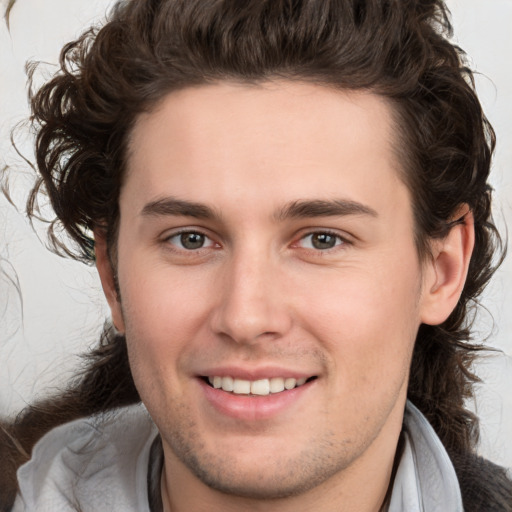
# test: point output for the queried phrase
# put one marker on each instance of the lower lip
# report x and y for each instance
(253, 407)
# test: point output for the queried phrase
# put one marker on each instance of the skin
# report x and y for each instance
(259, 295)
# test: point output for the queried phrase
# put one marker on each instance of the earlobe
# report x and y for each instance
(447, 269)
(106, 273)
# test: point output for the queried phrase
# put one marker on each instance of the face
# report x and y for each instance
(270, 287)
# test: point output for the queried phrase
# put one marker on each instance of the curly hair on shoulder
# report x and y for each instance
(397, 49)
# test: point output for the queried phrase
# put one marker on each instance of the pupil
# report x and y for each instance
(192, 240)
(323, 241)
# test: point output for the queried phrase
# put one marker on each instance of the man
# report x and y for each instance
(288, 207)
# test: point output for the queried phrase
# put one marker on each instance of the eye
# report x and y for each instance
(321, 241)
(191, 240)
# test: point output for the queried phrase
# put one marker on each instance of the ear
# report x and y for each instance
(445, 273)
(107, 277)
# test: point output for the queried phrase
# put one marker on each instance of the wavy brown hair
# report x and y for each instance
(398, 49)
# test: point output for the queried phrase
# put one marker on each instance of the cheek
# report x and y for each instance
(163, 300)
(164, 312)
(368, 322)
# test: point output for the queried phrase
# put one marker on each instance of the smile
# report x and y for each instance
(260, 387)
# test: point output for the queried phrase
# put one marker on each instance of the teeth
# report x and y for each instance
(260, 387)
(241, 387)
(227, 384)
(276, 385)
(290, 383)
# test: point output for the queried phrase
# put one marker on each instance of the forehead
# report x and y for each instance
(261, 144)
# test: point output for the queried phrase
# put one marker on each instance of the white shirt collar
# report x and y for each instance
(425, 480)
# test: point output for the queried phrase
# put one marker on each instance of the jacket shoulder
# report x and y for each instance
(485, 486)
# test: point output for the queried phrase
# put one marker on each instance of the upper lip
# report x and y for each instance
(267, 372)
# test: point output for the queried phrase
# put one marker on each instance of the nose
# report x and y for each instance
(252, 305)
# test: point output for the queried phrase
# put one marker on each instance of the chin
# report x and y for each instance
(267, 483)
(260, 474)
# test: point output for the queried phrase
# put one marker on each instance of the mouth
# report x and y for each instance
(260, 387)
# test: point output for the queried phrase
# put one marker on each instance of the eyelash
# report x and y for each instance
(340, 241)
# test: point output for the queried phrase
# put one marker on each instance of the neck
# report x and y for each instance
(338, 502)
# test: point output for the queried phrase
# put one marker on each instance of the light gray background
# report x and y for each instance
(61, 309)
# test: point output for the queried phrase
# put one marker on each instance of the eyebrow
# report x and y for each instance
(322, 208)
(170, 206)
(178, 207)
